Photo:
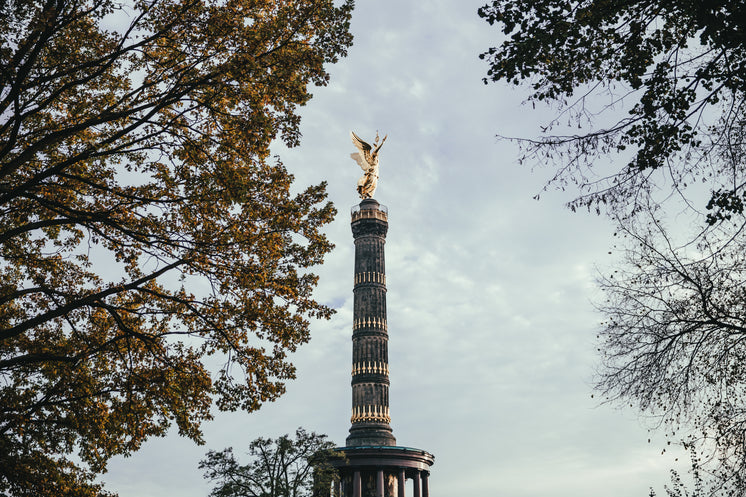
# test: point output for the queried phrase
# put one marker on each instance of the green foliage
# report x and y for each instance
(654, 95)
(283, 467)
(679, 65)
(143, 227)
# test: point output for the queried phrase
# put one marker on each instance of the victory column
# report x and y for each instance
(375, 466)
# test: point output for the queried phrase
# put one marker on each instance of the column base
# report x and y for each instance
(363, 467)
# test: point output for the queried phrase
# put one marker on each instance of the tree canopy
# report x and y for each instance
(679, 68)
(144, 225)
(649, 101)
(284, 467)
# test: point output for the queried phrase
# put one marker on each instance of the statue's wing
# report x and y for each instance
(360, 143)
(363, 146)
(358, 157)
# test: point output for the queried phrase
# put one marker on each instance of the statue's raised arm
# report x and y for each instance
(367, 159)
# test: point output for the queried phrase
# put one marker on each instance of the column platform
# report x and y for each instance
(382, 471)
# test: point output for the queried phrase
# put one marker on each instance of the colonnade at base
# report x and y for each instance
(383, 471)
(381, 483)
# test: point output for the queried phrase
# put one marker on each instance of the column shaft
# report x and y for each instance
(370, 372)
(417, 492)
(356, 484)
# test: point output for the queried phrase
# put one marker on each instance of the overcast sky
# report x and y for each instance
(491, 322)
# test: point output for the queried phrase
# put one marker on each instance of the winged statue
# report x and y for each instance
(367, 159)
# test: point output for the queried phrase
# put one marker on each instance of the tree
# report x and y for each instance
(673, 341)
(143, 225)
(681, 64)
(671, 173)
(283, 467)
(699, 486)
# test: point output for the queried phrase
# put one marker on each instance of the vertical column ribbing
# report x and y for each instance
(370, 369)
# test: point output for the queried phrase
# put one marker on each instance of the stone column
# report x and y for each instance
(402, 482)
(370, 362)
(425, 487)
(356, 484)
(379, 483)
(416, 479)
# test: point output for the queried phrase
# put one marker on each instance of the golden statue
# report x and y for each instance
(367, 159)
